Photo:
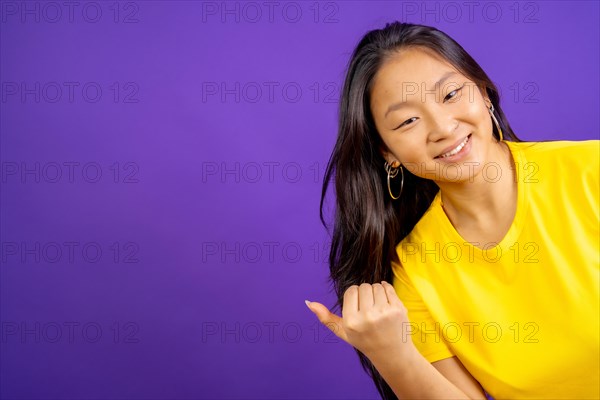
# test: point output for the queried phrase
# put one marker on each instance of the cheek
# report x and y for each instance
(409, 150)
(475, 112)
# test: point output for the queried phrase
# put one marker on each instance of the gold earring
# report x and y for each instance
(391, 173)
(491, 110)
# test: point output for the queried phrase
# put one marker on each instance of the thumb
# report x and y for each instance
(327, 318)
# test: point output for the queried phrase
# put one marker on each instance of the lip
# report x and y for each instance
(452, 147)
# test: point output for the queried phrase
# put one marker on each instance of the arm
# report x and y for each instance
(456, 373)
(374, 321)
(416, 378)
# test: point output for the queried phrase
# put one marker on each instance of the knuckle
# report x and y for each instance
(372, 317)
(396, 313)
(352, 325)
(402, 312)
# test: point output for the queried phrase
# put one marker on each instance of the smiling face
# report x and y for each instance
(440, 132)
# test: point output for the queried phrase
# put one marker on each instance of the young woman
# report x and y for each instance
(491, 244)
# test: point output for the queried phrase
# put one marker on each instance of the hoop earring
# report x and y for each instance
(491, 110)
(391, 173)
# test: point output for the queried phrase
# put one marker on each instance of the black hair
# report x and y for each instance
(368, 224)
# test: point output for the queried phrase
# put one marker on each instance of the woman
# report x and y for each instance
(491, 243)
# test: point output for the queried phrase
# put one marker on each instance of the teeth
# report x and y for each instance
(456, 150)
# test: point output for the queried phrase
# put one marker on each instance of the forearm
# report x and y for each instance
(411, 376)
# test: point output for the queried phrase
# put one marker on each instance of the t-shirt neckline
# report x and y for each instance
(516, 226)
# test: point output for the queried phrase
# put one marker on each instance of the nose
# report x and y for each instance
(441, 126)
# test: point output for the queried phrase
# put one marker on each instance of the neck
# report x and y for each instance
(480, 200)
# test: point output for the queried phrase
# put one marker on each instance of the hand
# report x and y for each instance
(374, 320)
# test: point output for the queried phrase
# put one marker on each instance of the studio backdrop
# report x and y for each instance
(161, 171)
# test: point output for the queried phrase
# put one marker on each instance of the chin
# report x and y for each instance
(464, 171)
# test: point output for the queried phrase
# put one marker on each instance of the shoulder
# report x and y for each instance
(568, 172)
(584, 150)
(559, 160)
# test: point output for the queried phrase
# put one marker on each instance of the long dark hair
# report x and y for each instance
(367, 223)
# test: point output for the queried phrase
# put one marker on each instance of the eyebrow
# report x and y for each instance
(396, 106)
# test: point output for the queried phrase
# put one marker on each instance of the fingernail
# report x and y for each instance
(307, 304)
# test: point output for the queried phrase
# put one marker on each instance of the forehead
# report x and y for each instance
(413, 65)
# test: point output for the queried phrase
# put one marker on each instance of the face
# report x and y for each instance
(440, 132)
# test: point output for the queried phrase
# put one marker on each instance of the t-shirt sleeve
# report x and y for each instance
(424, 330)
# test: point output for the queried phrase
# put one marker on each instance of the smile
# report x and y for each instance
(457, 149)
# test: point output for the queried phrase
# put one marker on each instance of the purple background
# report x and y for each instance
(210, 125)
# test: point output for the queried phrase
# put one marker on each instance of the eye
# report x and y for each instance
(404, 123)
(454, 91)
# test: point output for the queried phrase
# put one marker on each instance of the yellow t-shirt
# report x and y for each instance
(522, 316)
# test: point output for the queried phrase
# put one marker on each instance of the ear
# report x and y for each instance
(391, 160)
(486, 98)
(389, 157)
(386, 155)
